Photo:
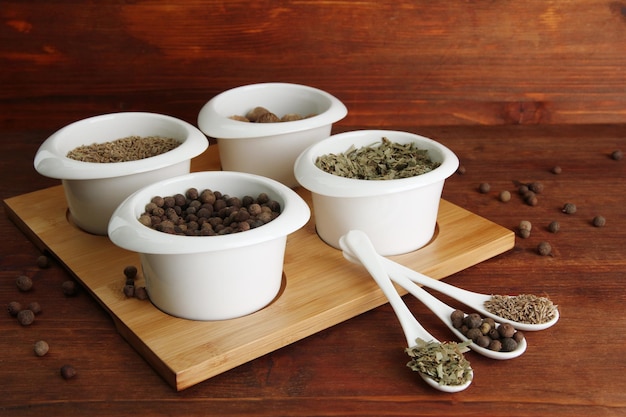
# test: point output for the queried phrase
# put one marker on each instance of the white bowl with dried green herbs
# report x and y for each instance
(262, 128)
(383, 182)
(103, 159)
(211, 244)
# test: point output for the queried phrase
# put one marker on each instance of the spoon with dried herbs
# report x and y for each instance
(507, 348)
(524, 312)
(441, 364)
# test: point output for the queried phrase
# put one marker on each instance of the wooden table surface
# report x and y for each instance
(357, 368)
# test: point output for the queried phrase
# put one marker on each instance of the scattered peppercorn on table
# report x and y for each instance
(358, 366)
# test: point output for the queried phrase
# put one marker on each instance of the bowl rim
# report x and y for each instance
(126, 231)
(50, 162)
(218, 126)
(320, 182)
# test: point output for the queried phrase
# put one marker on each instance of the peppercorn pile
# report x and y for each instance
(485, 332)
(208, 213)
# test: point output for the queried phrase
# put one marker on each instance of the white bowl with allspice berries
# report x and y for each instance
(386, 183)
(101, 160)
(262, 128)
(212, 243)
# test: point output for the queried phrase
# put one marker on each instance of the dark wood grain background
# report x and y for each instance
(400, 63)
(512, 87)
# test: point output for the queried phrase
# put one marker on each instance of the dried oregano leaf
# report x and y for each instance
(385, 161)
(443, 362)
(131, 148)
(524, 308)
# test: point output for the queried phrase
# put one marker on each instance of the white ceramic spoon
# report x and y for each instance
(471, 299)
(357, 242)
(444, 311)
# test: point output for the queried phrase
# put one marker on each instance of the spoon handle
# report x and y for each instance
(465, 296)
(356, 242)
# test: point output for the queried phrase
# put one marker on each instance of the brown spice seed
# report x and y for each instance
(14, 307)
(24, 283)
(569, 208)
(141, 293)
(554, 227)
(68, 371)
(544, 249)
(599, 221)
(130, 271)
(129, 291)
(43, 261)
(35, 307)
(41, 347)
(25, 317)
(69, 288)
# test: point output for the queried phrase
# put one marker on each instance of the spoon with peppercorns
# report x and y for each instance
(358, 243)
(503, 343)
(524, 312)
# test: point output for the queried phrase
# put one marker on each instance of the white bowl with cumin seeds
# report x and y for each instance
(211, 277)
(269, 149)
(94, 189)
(399, 215)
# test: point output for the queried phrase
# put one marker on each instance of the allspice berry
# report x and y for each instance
(506, 330)
(68, 371)
(508, 344)
(556, 170)
(495, 345)
(544, 249)
(141, 293)
(35, 307)
(69, 288)
(617, 155)
(554, 227)
(24, 283)
(599, 221)
(129, 291)
(484, 188)
(569, 208)
(536, 187)
(530, 198)
(14, 307)
(505, 196)
(130, 271)
(41, 347)
(25, 317)
(524, 229)
(43, 261)
(525, 225)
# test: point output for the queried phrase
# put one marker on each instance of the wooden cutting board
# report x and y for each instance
(320, 288)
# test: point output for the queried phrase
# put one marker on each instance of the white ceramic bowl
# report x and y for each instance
(268, 149)
(211, 277)
(94, 190)
(398, 215)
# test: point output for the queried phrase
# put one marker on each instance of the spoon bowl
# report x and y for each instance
(357, 242)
